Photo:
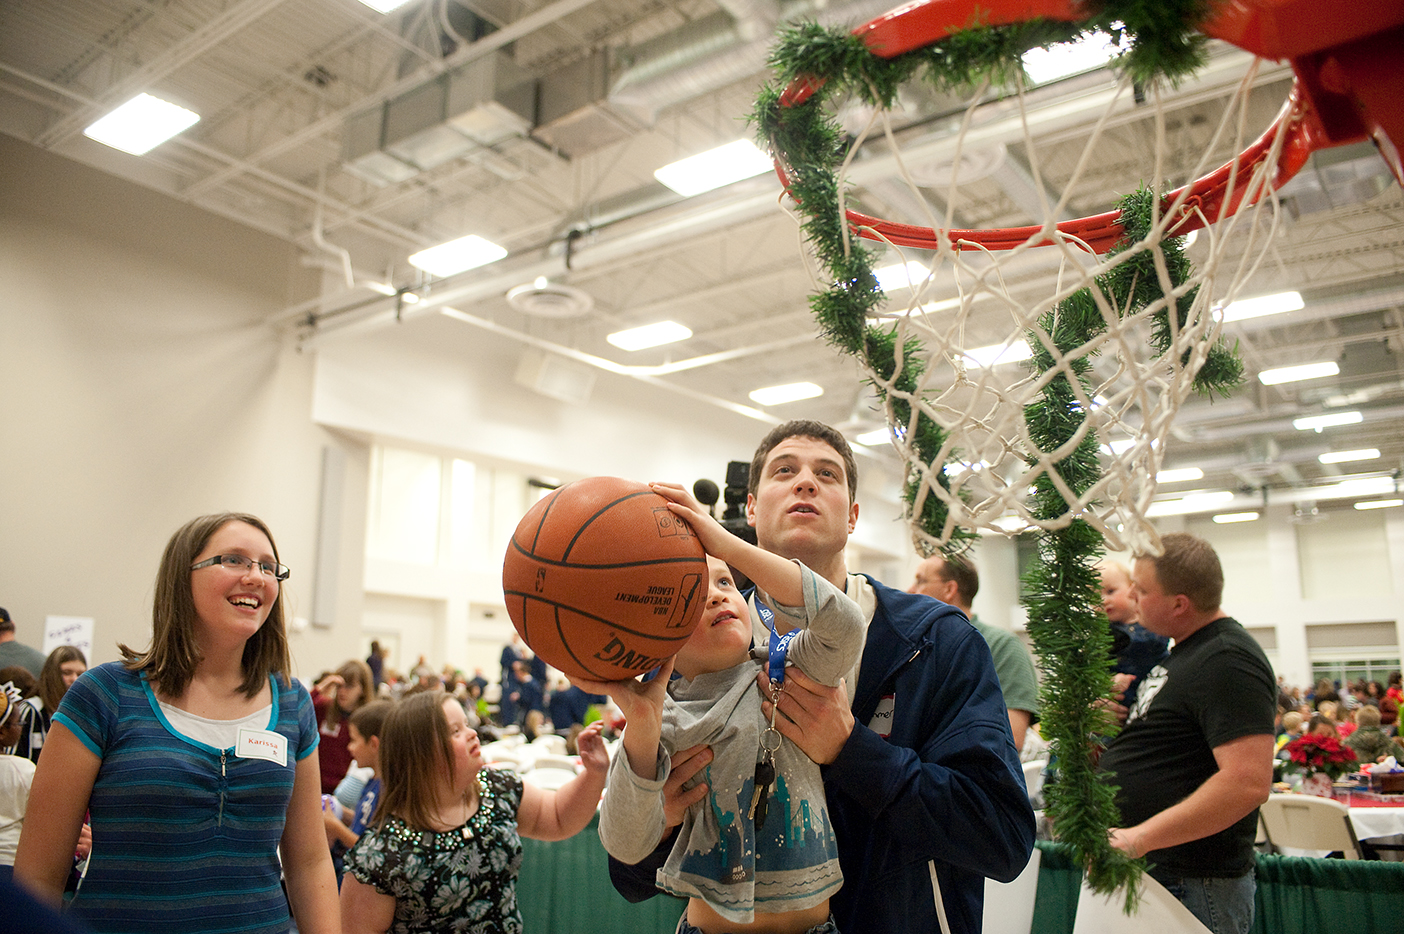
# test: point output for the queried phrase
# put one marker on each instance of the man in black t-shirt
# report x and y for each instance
(1194, 761)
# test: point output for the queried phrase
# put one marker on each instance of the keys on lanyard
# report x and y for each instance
(765, 768)
(770, 737)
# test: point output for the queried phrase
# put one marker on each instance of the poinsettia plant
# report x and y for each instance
(1315, 753)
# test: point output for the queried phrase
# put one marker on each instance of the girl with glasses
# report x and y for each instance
(194, 758)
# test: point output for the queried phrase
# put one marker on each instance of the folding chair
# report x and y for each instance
(1308, 822)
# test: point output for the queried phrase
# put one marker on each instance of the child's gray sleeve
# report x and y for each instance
(832, 637)
(631, 814)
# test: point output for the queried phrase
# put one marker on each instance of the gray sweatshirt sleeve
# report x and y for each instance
(832, 624)
(631, 815)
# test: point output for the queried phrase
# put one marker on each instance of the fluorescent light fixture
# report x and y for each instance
(141, 124)
(1011, 524)
(1329, 420)
(1360, 486)
(1380, 504)
(1343, 457)
(998, 353)
(409, 298)
(1263, 305)
(456, 256)
(956, 469)
(1294, 374)
(1179, 475)
(1069, 58)
(901, 276)
(649, 335)
(1195, 502)
(384, 288)
(1119, 446)
(874, 438)
(1224, 518)
(384, 6)
(789, 392)
(714, 168)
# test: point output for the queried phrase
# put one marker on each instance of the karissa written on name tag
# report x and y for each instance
(261, 744)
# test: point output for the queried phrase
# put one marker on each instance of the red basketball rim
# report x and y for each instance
(1346, 63)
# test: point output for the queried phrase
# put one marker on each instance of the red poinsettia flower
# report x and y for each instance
(1315, 753)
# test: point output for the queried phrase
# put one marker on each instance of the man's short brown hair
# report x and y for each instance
(805, 428)
(960, 570)
(1190, 566)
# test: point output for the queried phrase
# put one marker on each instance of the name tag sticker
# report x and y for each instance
(881, 723)
(262, 744)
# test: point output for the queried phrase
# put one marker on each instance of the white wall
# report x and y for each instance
(143, 387)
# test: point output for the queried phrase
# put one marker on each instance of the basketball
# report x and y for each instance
(603, 581)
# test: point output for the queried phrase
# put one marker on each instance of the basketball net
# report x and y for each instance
(1126, 372)
(990, 460)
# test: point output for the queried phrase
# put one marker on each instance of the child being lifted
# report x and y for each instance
(757, 854)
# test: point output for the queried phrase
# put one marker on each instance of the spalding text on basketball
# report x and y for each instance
(616, 654)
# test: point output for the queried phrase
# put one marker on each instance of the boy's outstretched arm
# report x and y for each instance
(779, 577)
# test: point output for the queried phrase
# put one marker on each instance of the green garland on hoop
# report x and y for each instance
(1069, 631)
(1062, 590)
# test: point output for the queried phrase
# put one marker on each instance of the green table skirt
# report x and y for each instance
(564, 889)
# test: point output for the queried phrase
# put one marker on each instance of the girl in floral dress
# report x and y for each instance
(445, 849)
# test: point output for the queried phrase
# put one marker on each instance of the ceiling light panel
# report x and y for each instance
(457, 256)
(1380, 504)
(1294, 374)
(714, 168)
(789, 392)
(1226, 518)
(1329, 420)
(1263, 305)
(1345, 457)
(1179, 475)
(650, 335)
(996, 354)
(141, 124)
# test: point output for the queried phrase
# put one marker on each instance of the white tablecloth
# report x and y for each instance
(1380, 824)
(1377, 822)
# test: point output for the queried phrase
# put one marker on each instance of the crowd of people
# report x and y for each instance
(180, 785)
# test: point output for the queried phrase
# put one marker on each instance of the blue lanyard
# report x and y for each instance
(779, 645)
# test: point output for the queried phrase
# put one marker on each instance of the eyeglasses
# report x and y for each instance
(242, 563)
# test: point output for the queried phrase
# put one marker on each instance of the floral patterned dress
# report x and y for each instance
(460, 881)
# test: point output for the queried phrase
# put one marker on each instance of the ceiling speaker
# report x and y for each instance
(549, 300)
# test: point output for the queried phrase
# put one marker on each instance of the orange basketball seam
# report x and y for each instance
(641, 563)
(595, 515)
(559, 605)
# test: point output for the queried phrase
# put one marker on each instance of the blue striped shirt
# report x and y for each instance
(185, 836)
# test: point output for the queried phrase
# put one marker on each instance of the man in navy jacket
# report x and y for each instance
(924, 783)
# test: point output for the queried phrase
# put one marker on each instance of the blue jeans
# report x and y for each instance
(1224, 906)
(828, 927)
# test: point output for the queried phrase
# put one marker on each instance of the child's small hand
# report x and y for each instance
(708, 530)
(593, 754)
(329, 683)
(636, 699)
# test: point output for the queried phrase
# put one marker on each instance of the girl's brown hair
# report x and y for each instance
(51, 686)
(369, 719)
(353, 672)
(415, 752)
(172, 657)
